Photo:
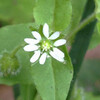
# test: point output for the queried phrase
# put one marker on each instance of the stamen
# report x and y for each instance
(46, 46)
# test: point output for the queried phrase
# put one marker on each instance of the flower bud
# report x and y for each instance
(8, 65)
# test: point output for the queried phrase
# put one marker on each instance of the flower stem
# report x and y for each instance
(86, 21)
(13, 53)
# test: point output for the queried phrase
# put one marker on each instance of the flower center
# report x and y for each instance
(46, 46)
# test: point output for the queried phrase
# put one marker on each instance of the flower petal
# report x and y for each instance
(35, 57)
(30, 47)
(31, 41)
(43, 58)
(36, 35)
(54, 36)
(60, 42)
(59, 52)
(55, 56)
(46, 30)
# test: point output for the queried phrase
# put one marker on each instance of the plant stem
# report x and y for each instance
(16, 49)
(86, 21)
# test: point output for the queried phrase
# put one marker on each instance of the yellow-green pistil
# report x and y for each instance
(46, 46)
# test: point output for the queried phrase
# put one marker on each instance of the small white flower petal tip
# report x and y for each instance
(30, 48)
(43, 58)
(46, 30)
(35, 57)
(31, 41)
(54, 36)
(36, 35)
(59, 52)
(60, 42)
(56, 56)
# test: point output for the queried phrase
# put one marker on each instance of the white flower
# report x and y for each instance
(44, 47)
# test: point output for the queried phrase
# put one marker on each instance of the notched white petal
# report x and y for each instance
(35, 57)
(59, 52)
(36, 35)
(30, 48)
(60, 42)
(31, 41)
(46, 30)
(43, 58)
(55, 56)
(54, 36)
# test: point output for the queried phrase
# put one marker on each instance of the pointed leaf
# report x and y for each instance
(53, 79)
(56, 13)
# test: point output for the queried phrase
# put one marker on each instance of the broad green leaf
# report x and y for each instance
(16, 11)
(57, 13)
(53, 79)
(10, 38)
(98, 8)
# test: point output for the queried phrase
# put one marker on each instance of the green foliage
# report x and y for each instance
(90, 96)
(77, 11)
(10, 38)
(8, 65)
(95, 40)
(28, 92)
(98, 9)
(89, 76)
(53, 79)
(37, 97)
(57, 13)
(77, 93)
(16, 11)
(98, 14)
(98, 27)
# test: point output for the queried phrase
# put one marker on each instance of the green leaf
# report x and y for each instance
(97, 8)
(10, 38)
(98, 14)
(57, 13)
(98, 27)
(16, 11)
(77, 11)
(53, 79)
(37, 97)
(95, 40)
(28, 92)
